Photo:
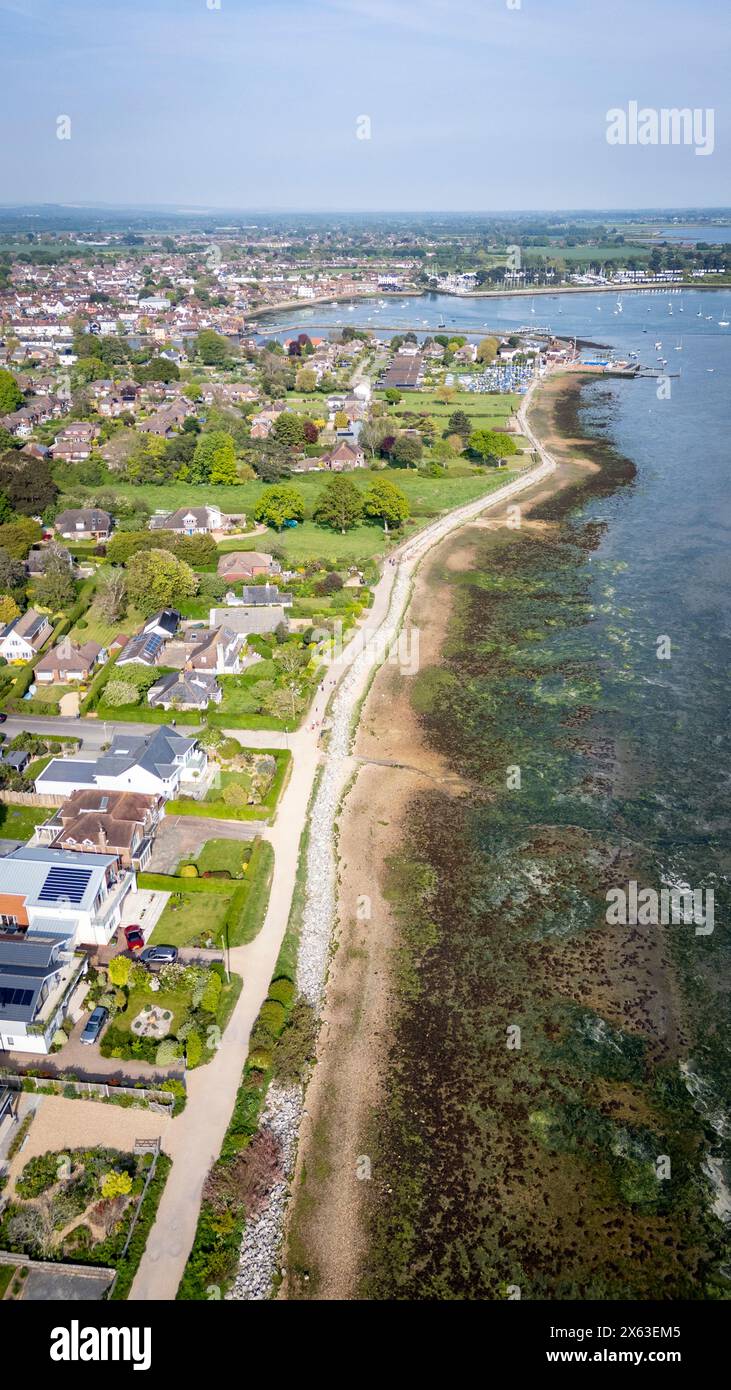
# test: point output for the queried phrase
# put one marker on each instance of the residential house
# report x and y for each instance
(218, 651)
(66, 662)
(147, 646)
(73, 443)
(39, 975)
(96, 822)
(159, 763)
(23, 637)
(57, 891)
(261, 595)
(247, 619)
(191, 521)
(344, 456)
(84, 524)
(169, 419)
(239, 565)
(185, 690)
(40, 555)
(263, 423)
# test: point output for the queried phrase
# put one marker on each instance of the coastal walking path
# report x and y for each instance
(193, 1140)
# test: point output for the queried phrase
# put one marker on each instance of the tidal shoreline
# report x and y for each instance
(327, 1240)
(430, 1164)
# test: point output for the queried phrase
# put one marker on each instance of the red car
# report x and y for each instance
(134, 937)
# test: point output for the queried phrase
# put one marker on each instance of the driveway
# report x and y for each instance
(180, 837)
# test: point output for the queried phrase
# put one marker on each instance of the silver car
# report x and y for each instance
(159, 955)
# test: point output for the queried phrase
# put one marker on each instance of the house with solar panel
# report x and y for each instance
(159, 763)
(40, 973)
(147, 646)
(63, 892)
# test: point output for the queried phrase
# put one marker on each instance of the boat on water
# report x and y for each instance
(724, 322)
(658, 344)
(679, 345)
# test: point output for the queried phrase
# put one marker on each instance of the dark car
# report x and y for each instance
(159, 955)
(94, 1024)
(3, 717)
(135, 938)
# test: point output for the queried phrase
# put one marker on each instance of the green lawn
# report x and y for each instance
(224, 854)
(228, 779)
(197, 915)
(99, 629)
(177, 1001)
(19, 822)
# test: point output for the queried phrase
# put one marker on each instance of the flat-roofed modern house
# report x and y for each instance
(23, 638)
(160, 763)
(39, 974)
(57, 890)
(248, 619)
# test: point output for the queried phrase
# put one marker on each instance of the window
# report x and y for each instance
(8, 920)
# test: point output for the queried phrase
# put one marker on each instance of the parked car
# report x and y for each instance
(135, 938)
(159, 955)
(3, 717)
(94, 1024)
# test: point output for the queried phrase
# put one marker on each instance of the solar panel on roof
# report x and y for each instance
(15, 996)
(64, 884)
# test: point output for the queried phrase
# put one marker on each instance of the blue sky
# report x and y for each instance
(473, 104)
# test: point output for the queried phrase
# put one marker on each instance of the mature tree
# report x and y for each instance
(306, 379)
(111, 599)
(272, 463)
(156, 579)
(392, 395)
(341, 420)
(17, 537)
(459, 423)
(279, 504)
(6, 511)
(371, 434)
(13, 578)
(311, 432)
(491, 444)
(214, 458)
(407, 450)
(8, 609)
(487, 349)
(157, 369)
(340, 504)
(27, 483)
(11, 396)
(289, 429)
(8, 440)
(386, 502)
(212, 348)
(56, 590)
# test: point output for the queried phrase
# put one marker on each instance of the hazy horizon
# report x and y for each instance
(356, 106)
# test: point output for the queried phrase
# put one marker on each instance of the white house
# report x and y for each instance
(23, 638)
(160, 763)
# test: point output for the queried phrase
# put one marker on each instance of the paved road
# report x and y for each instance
(194, 1138)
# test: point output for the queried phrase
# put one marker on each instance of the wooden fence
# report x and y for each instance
(31, 799)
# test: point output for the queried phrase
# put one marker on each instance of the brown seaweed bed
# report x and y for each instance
(568, 1166)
